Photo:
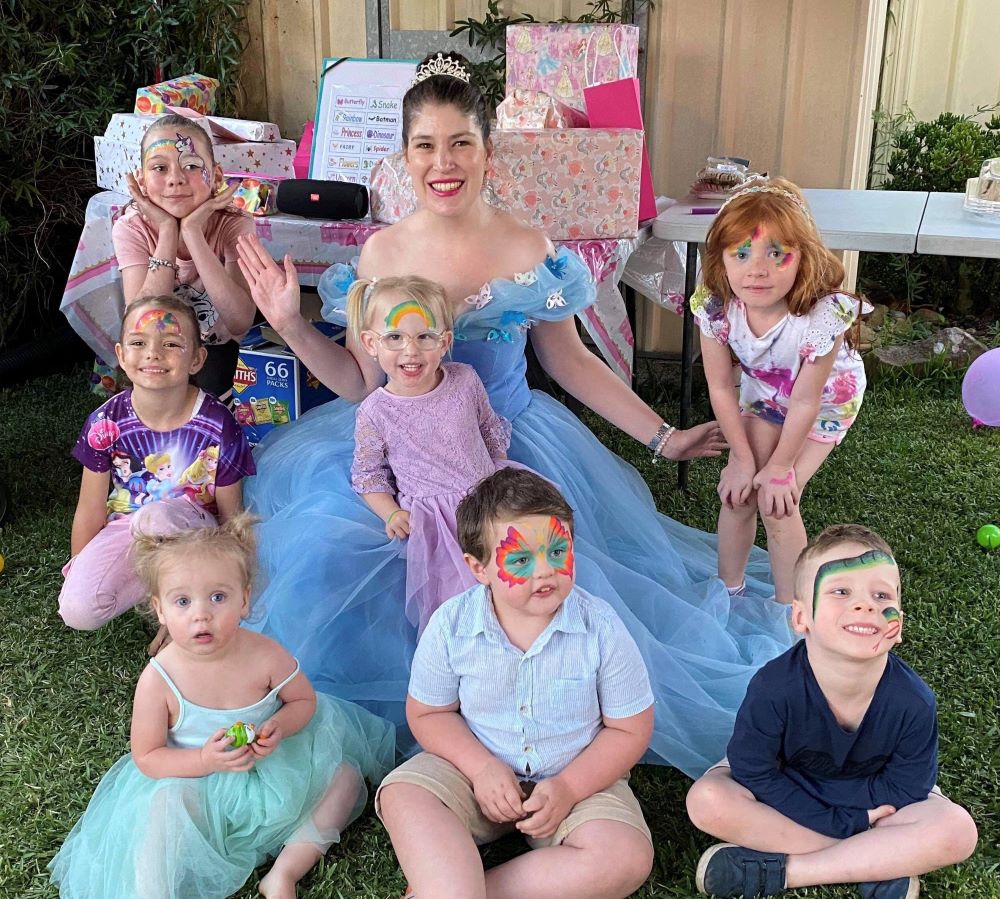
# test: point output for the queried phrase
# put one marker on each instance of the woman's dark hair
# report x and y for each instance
(446, 90)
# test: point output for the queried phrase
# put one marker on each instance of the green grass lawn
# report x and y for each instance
(912, 469)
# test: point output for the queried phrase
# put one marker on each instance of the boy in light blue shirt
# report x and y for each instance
(532, 704)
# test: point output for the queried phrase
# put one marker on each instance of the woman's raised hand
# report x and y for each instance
(274, 290)
(695, 443)
(153, 215)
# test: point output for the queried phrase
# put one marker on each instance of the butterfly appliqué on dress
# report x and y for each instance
(525, 279)
(556, 265)
(480, 299)
(555, 300)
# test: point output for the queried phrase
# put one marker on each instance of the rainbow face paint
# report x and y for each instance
(409, 307)
(160, 320)
(517, 556)
(187, 153)
(783, 256)
(870, 559)
(741, 249)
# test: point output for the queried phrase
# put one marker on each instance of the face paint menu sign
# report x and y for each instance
(359, 116)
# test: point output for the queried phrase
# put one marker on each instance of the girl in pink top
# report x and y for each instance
(179, 236)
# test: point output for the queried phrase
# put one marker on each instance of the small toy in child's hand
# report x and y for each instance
(988, 536)
(242, 734)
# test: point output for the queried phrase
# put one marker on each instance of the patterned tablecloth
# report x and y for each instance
(93, 301)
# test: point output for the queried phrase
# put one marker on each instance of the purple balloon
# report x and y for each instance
(981, 389)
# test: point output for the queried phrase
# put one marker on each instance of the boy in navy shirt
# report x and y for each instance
(830, 773)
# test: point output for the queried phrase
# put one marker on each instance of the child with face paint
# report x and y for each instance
(770, 300)
(531, 703)
(424, 438)
(830, 774)
(165, 423)
(179, 236)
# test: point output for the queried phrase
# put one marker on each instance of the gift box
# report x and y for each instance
(189, 91)
(270, 386)
(573, 184)
(272, 158)
(563, 59)
(523, 109)
(255, 194)
(116, 158)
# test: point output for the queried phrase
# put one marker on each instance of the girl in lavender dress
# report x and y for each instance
(425, 437)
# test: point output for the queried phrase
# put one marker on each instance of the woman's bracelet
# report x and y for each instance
(155, 263)
(660, 440)
(388, 521)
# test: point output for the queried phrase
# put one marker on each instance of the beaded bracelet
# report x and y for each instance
(388, 521)
(155, 263)
(660, 439)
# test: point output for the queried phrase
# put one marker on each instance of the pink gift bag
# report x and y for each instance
(616, 104)
(304, 152)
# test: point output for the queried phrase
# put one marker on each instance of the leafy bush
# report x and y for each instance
(67, 67)
(934, 156)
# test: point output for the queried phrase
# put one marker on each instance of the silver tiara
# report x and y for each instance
(441, 66)
(768, 189)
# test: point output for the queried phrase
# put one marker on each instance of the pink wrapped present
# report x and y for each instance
(190, 91)
(130, 127)
(222, 128)
(256, 194)
(574, 184)
(523, 110)
(563, 59)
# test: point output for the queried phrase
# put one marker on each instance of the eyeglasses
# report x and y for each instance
(394, 341)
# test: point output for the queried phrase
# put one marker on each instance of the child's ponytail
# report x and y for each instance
(358, 295)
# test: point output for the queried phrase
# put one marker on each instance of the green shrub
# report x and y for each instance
(934, 156)
(67, 66)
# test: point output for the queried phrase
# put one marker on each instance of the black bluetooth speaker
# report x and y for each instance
(322, 199)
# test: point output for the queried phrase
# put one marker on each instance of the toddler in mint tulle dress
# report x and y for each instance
(235, 759)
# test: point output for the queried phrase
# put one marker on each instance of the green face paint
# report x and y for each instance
(894, 618)
(870, 559)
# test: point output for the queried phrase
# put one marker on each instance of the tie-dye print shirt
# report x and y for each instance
(772, 362)
(207, 452)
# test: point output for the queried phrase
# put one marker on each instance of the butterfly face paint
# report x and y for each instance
(783, 256)
(519, 555)
(409, 307)
(870, 559)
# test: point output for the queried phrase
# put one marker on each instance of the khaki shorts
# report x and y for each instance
(724, 763)
(443, 780)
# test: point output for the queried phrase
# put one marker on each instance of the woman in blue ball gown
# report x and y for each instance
(335, 585)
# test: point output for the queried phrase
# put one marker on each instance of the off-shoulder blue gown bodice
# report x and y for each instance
(334, 585)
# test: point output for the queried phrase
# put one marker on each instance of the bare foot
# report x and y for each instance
(276, 886)
(161, 639)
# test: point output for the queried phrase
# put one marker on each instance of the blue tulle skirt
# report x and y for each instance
(334, 586)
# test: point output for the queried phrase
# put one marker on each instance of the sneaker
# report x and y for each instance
(728, 870)
(900, 888)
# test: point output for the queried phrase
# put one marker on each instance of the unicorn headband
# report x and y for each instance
(769, 189)
(441, 66)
